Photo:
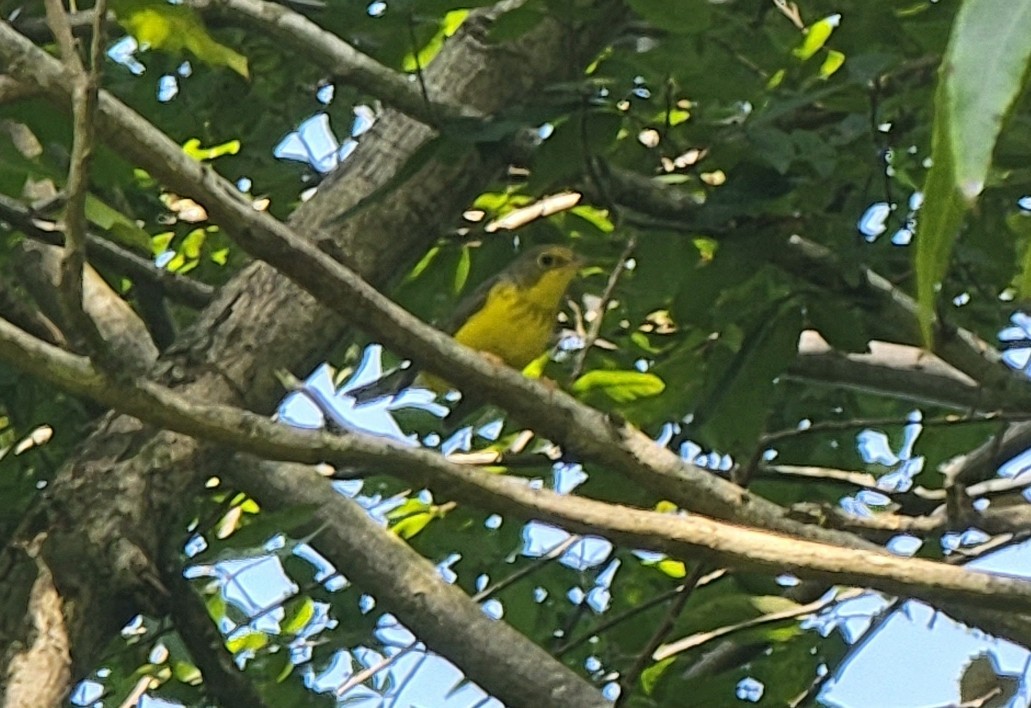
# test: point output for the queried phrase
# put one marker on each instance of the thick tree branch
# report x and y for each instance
(679, 536)
(509, 666)
(15, 308)
(13, 90)
(104, 253)
(981, 463)
(901, 371)
(347, 64)
(116, 322)
(81, 23)
(127, 480)
(896, 319)
(586, 431)
(39, 672)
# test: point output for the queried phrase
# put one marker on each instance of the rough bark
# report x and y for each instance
(103, 523)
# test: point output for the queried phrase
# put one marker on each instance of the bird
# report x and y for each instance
(510, 317)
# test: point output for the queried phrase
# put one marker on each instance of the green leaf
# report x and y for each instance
(671, 567)
(186, 672)
(940, 218)
(599, 218)
(573, 140)
(121, 227)
(1023, 281)
(423, 264)
(838, 323)
(673, 16)
(515, 23)
(411, 518)
(448, 26)
(733, 413)
(406, 508)
(252, 641)
(983, 72)
(418, 419)
(834, 61)
(462, 271)
(192, 148)
(816, 36)
(174, 28)
(650, 676)
(298, 613)
(620, 386)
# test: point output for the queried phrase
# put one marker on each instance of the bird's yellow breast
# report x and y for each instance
(515, 321)
(511, 325)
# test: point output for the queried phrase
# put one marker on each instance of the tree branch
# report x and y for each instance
(510, 666)
(115, 321)
(130, 481)
(347, 64)
(901, 371)
(82, 330)
(177, 287)
(896, 320)
(584, 430)
(678, 536)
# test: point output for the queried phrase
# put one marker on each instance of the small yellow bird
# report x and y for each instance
(511, 317)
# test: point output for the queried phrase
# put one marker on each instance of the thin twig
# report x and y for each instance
(615, 620)
(876, 623)
(700, 638)
(597, 314)
(629, 678)
(790, 10)
(419, 74)
(368, 672)
(343, 61)
(407, 680)
(630, 613)
(85, 91)
(554, 552)
(845, 425)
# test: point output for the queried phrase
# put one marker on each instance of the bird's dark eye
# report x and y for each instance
(546, 260)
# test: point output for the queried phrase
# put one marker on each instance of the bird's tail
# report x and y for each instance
(390, 384)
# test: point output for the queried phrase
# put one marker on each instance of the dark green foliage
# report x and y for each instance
(735, 144)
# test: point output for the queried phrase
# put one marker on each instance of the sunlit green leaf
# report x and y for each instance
(983, 73)
(620, 386)
(816, 36)
(174, 28)
(462, 271)
(651, 675)
(298, 613)
(672, 568)
(452, 21)
(192, 148)
(247, 641)
(834, 61)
